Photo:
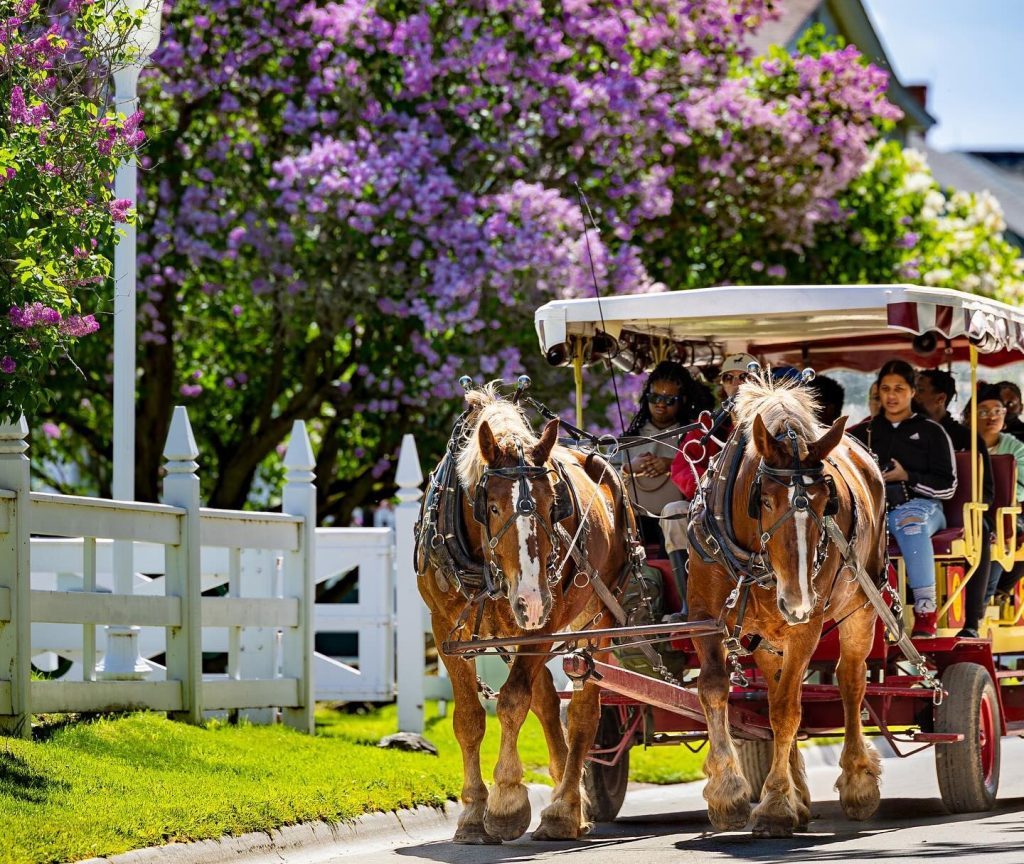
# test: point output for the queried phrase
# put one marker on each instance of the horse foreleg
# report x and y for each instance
(860, 781)
(469, 721)
(781, 810)
(770, 666)
(727, 790)
(508, 806)
(547, 705)
(563, 819)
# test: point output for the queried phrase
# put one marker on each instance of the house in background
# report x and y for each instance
(849, 19)
(1001, 173)
(998, 172)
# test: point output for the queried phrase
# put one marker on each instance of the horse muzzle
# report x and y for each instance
(531, 609)
(793, 617)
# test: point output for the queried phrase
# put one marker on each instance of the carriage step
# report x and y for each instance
(937, 737)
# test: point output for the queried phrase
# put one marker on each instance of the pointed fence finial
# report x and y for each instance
(180, 451)
(299, 460)
(409, 475)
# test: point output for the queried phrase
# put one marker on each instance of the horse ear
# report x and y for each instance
(548, 439)
(770, 449)
(488, 446)
(819, 449)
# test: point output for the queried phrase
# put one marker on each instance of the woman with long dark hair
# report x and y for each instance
(917, 462)
(670, 398)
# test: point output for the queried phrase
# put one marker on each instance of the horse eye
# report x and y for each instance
(494, 509)
(766, 502)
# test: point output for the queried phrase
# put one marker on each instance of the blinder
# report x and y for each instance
(831, 505)
(561, 509)
(480, 503)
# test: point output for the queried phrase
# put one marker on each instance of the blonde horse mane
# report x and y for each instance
(780, 404)
(508, 425)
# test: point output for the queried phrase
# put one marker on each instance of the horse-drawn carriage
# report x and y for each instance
(794, 609)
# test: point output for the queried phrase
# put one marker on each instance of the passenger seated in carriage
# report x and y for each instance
(992, 414)
(936, 391)
(734, 372)
(917, 462)
(1011, 397)
(830, 395)
(670, 398)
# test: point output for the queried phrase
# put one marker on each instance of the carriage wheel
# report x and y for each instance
(756, 763)
(968, 772)
(606, 785)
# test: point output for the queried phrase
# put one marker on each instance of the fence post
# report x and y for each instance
(15, 570)
(259, 644)
(299, 499)
(184, 575)
(411, 660)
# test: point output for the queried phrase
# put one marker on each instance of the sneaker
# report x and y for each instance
(968, 633)
(924, 625)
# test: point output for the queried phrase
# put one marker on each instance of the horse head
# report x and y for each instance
(790, 497)
(518, 502)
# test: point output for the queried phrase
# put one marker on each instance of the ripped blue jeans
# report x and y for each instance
(912, 524)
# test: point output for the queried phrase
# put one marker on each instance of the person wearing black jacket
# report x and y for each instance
(916, 458)
(936, 390)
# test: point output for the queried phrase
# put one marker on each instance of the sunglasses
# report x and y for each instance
(660, 399)
(985, 413)
(734, 377)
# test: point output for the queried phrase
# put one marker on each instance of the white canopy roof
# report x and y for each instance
(827, 325)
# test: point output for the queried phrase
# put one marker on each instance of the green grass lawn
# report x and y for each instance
(110, 785)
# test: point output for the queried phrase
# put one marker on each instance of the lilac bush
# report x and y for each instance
(59, 147)
(353, 203)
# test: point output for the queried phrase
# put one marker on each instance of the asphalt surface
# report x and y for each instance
(663, 824)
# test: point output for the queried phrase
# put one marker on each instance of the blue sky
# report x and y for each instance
(971, 54)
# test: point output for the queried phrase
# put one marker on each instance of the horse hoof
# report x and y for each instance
(559, 829)
(732, 817)
(861, 810)
(764, 828)
(475, 837)
(859, 796)
(515, 818)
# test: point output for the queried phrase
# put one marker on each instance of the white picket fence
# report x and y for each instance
(270, 564)
(365, 675)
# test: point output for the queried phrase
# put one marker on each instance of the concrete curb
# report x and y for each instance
(377, 829)
(307, 835)
(422, 824)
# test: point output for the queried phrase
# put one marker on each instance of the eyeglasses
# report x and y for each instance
(661, 399)
(985, 413)
(734, 377)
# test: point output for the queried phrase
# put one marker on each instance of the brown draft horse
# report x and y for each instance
(787, 459)
(521, 519)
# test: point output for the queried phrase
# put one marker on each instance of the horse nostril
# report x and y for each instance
(521, 607)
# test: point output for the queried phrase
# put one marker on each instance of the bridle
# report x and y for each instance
(799, 479)
(562, 508)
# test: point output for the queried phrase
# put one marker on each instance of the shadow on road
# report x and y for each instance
(828, 828)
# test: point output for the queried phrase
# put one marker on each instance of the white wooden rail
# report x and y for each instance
(367, 675)
(179, 528)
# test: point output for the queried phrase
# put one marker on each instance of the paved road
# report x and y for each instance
(668, 824)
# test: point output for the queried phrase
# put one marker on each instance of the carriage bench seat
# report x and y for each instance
(944, 540)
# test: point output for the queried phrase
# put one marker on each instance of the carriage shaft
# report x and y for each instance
(622, 635)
